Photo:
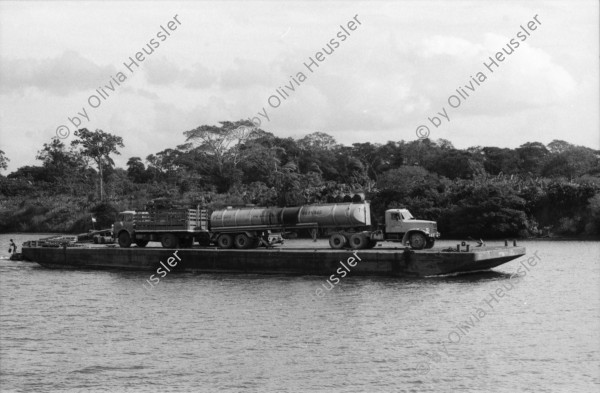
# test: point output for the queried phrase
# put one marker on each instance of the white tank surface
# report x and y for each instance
(336, 215)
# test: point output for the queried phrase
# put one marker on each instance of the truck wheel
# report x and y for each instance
(242, 241)
(124, 239)
(141, 242)
(225, 241)
(430, 243)
(358, 241)
(417, 241)
(169, 240)
(337, 241)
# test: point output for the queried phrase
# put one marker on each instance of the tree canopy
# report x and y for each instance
(98, 145)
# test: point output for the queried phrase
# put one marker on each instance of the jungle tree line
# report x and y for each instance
(487, 191)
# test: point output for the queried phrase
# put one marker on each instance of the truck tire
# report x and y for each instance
(359, 241)
(430, 243)
(168, 240)
(243, 241)
(372, 243)
(124, 239)
(141, 242)
(337, 241)
(225, 241)
(418, 241)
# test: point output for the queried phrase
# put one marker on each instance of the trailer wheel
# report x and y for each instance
(141, 242)
(430, 243)
(358, 241)
(372, 243)
(169, 240)
(243, 241)
(124, 239)
(417, 241)
(225, 241)
(337, 241)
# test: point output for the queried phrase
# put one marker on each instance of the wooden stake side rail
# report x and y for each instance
(172, 220)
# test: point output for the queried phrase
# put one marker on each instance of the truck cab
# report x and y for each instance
(400, 225)
(124, 223)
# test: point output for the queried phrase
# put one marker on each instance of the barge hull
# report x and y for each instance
(321, 262)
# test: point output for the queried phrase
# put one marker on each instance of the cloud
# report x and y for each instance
(414, 81)
(528, 78)
(163, 72)
(451, 46)
(532, 78)
(146, 94)
(246, 73)
(199, 76)
(69, 72)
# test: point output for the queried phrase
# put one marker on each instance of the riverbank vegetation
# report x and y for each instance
(530, 191)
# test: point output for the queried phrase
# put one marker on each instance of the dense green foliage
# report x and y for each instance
(533, 190)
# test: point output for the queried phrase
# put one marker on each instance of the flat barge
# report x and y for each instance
(292, 261)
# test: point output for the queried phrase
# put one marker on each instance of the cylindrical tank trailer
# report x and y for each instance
(324, 216)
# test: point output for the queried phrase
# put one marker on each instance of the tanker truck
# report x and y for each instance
(349, 226)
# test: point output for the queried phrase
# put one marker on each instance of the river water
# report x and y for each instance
(70, 330)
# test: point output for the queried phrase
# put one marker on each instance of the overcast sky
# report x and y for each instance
(224, 60)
